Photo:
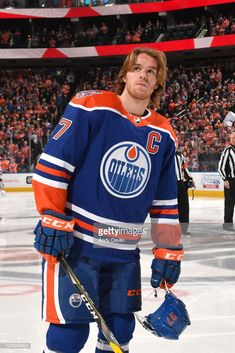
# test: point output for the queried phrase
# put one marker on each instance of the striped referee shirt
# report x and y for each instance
(181, 170)
(226, 166)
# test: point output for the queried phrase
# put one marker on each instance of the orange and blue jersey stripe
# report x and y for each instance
(164, 211)
(87, 226)
(50, 182)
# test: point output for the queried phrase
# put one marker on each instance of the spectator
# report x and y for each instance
(4, 163)
(12, 166)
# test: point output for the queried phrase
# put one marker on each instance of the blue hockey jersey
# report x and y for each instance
(108, 169)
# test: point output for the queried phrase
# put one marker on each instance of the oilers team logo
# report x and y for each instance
(125, 169)
(75, 300)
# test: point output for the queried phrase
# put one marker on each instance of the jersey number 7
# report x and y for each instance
(65, 124)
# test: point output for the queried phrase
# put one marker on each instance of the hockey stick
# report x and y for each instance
(112, 341)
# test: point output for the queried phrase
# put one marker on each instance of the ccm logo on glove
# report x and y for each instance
(167, 254)
(54, 235)
(53, 222)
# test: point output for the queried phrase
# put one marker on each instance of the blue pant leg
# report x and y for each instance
(122, 326)
(69, 338)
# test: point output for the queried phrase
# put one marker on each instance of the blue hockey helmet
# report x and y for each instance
(169, 320)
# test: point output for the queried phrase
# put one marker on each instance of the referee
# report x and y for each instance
(226, 169)
(183, 179)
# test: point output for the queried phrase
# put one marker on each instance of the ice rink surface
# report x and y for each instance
(206, 285)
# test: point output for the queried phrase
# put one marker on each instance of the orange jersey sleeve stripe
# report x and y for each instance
(49, 198)
(164, 211)
(52, 171)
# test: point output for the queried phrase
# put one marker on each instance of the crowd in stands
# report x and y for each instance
(30, 103)
(196, 102)
(110, 30)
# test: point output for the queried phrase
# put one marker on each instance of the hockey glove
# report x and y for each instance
(189, 184)
(54, 234)
(166, 266)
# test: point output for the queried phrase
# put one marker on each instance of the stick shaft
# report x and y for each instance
(112, 341)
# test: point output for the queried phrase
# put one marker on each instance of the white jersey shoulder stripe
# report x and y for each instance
(97, 108)
(124, 116)
(107, 108)
(165, 202)
(57, 161)
(49, 182)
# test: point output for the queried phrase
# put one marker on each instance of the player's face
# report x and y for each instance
(142, 79)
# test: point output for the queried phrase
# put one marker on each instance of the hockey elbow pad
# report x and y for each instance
(166, 266)
(53, 235)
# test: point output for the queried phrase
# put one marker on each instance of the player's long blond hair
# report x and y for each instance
(130, 61)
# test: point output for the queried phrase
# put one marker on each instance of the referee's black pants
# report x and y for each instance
(183, 205)
(229, 203)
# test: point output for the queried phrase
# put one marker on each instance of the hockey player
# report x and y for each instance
(108, 163)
